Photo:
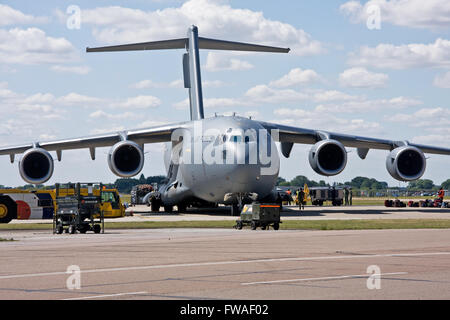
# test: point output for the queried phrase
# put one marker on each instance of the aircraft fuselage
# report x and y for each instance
(218, 156)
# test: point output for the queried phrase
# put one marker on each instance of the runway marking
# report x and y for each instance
(321, 278)
(201, 264)
(108, 295)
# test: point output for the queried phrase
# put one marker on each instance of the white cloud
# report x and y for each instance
(151, 123)
(363, 105)
(332, 95)
(295, 77)
(139, 102)
(71, 69)
(223, 62)
(328, 121)
(146, 84)
(100, 114)
(412, 13)
(433, 118)
(10, 16)
(266, 94)
(442, 80)
(362, 78)
(76, 99)
(414, 55)
(33, 46)
(216, 19)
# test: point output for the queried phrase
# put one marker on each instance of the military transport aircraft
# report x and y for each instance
(221, 159)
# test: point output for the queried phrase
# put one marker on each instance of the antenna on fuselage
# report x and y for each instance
(191, 59)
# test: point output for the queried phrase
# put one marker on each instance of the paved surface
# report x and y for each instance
(142, 213)
(227, 264)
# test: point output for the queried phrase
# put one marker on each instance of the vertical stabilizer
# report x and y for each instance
(195, 81)
(191, 59)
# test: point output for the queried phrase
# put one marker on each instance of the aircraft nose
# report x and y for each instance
(242, 162)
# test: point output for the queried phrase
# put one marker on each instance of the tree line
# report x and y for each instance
(359, 183)
(364, 183)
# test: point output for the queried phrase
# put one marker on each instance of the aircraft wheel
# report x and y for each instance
(8, 209)
(263, 227)
(181, 208)
(239, 225)
(155, 206)
(276, 226)
(84, 229)
(97, 228)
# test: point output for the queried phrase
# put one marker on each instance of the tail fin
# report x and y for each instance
(191, 59)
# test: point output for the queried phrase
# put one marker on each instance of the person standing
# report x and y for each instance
(301, 199)
(346, 194)
(289, 196)
(441, 195)
(351, 197)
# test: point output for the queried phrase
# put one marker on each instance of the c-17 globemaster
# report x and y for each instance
(221, 159)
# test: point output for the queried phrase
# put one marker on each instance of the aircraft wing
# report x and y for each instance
(289, 135)
(140, 136)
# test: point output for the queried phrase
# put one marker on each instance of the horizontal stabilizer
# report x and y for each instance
(203, 43)
(213, 44)
(153, 45)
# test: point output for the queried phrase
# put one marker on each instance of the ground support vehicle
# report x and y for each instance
(77, 211)
(321, 194)
(260, 215)
(139, 192)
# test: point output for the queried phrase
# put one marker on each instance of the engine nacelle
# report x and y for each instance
(126, 159)
(328, 157)
(36, 166)
(406, 163)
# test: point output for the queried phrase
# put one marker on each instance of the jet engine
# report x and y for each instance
(328, 157)
(36, 166)
(406, 163)
(126, 159)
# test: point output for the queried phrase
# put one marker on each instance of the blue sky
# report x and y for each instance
(392, 82)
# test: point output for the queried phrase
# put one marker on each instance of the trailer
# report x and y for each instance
(8, 209)
(28, 204)
(41, 204)
(321, 194)
(260, 215)
(77, 211)
(139, 192)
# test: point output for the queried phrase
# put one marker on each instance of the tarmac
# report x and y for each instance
(142, 213)
(226, 264)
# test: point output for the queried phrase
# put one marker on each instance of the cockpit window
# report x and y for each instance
(235, 139)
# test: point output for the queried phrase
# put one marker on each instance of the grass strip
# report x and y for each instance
(353, 224)
(3, 239)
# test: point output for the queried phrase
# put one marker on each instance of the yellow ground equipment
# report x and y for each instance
(41, 204)
(78, 212)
